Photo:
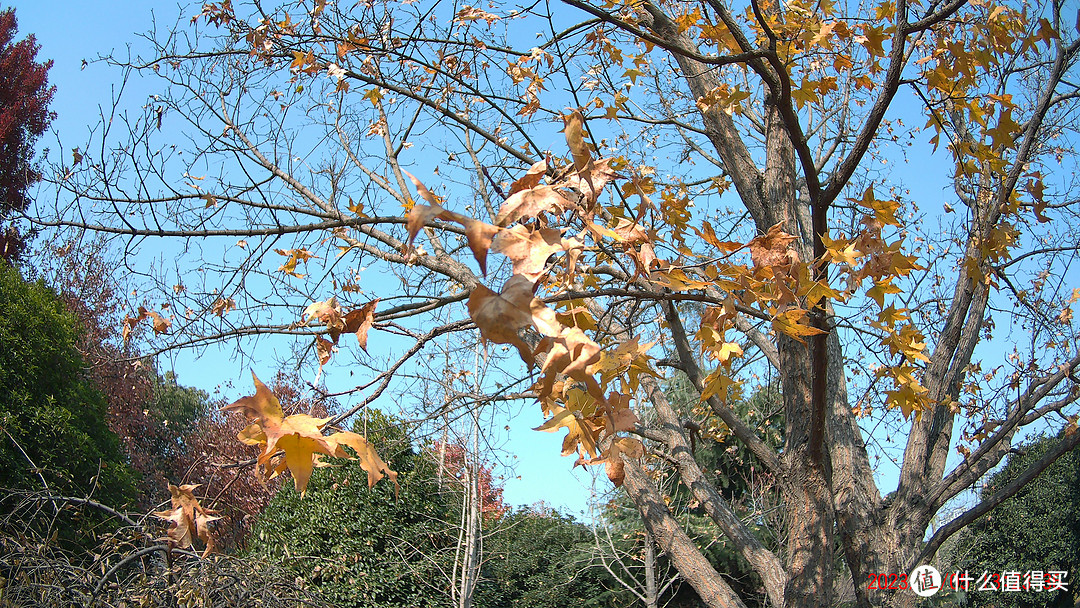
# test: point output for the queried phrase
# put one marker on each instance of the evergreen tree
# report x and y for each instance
(53, 419)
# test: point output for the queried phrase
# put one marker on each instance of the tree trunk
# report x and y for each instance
(662, 526)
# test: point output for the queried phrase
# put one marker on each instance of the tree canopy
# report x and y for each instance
(25, 95)
(1037, 529)
(53, 420)
(385, 186)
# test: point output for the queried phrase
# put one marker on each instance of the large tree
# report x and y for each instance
(730, 202)
(54, 434)
(24, 115)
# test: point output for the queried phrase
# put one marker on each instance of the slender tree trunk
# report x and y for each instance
(651, 599)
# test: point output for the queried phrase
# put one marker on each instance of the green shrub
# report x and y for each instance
(50, 414)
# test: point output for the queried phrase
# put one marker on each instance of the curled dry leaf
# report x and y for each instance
(324, 348)
(327, 312)
(529, 249)
(479, 235)
(772, 248)
(612, 457)
(222, 306)
(570, 353)
(422, 215)
(188, 518)
(591, 180)
(531, 203)
(422, 190)
(500, 316)
(158, 322)
(359, 321)
(574, 129)
(531, 178)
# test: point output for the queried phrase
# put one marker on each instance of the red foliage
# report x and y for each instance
(24, 115)
(86, 284)
(491, 500)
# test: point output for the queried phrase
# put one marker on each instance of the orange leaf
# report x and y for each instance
(359, 321)
(298, 437)
(772, 248)
(531, 178)
(324, 348)
(422, 190)
(612, 457)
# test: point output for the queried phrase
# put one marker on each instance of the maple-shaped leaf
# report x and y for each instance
(574, 130)
(189, 519)
(772, 248)
(368, 457)
(582, 433)
(260, 408)
(612, 457)
(792, 323)
(295, 257)
(298, 437)
(529, 249)
(501, 315)
(531, 203)
(359, 321)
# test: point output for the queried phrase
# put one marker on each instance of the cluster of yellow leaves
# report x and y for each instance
(295, 256)
(296, 442)
(188, 519)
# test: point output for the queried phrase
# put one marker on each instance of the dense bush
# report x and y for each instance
(361, 547)
(51, 415)
(541, 559)
(1038, 528)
